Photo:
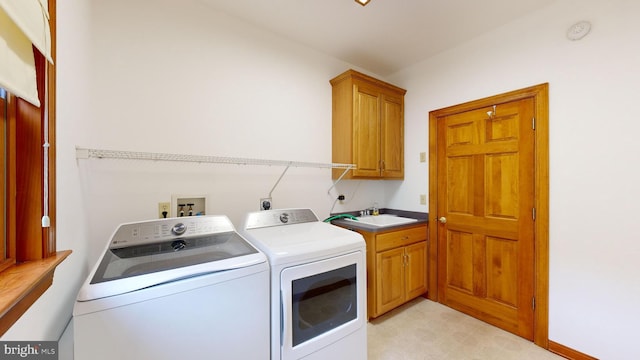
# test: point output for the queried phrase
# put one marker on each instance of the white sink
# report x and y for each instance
(383, 220)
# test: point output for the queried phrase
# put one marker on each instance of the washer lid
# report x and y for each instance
(136, 267)
(149, 258)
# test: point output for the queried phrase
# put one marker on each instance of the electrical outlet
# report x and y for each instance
(164, 210)
(423, 199)
(265, 204)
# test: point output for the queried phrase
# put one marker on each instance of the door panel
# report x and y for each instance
(366, 144)
(392, 130)
(460, 187)
(501, 185)
(502, 269)
(390, 279)
(459, 261)
(485, 191)
(416, 273)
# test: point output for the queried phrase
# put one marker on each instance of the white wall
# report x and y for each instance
(594, 155)
(177, 77)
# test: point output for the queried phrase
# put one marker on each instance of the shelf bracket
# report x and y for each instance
(349, 167)
(278, 182)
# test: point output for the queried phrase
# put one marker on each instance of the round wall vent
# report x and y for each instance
(578, 30)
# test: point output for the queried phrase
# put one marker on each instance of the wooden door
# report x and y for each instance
(485, 164)
(390, 273)
(392, 137)
(416, 269)
(366, 131)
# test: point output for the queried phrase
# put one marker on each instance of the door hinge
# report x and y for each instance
(533, 213)
(533, 123)
(533, 303)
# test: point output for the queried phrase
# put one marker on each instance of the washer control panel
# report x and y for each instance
(169, 229)
(279, 217)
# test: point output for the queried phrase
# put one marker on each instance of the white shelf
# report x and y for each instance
(84, 153)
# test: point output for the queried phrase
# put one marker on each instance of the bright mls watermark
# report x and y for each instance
(31, 350)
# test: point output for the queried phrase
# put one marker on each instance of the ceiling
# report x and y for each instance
(386, 35)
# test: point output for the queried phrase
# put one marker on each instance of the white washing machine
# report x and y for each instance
(318, 285)
(179, 288)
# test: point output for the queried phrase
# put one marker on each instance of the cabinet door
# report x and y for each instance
(390, 275)
(416, 271)
(366, 131)
(392, 137)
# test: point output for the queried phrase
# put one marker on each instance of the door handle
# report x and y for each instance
(443, 220)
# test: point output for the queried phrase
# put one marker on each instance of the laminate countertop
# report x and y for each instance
(423, 218)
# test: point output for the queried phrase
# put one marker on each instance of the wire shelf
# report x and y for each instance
(84, 153)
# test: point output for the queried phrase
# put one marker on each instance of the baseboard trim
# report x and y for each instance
(568, 352)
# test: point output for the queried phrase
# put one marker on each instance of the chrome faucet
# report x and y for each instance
(370, 211)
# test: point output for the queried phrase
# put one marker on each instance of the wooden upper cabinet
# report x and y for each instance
(368, 127)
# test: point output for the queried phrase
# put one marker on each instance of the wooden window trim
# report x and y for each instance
(22, 284)
(31, 256)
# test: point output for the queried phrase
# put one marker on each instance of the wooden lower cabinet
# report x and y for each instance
(416, 273)
(396, 267)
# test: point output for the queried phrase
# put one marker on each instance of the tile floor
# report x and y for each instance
(426, 330)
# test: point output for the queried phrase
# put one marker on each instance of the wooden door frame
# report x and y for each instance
(540, 95)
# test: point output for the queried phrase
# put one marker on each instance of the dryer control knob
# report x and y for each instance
(179, 228)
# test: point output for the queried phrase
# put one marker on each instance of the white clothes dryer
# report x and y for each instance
(318, 285)
(179, 288)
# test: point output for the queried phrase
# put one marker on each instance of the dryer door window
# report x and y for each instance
(322, 302)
